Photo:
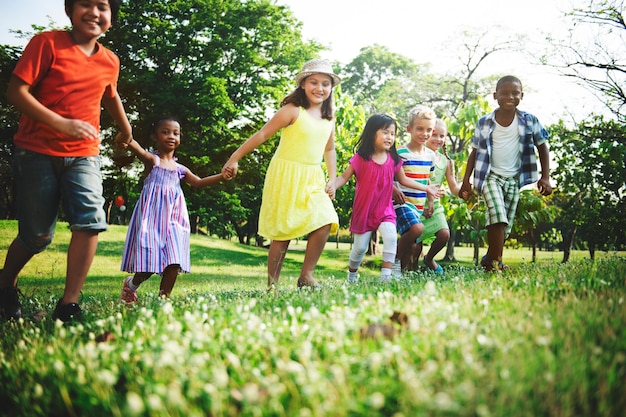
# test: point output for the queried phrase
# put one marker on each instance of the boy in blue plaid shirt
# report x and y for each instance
(503, 160)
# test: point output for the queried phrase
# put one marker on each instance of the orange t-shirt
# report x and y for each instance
(68, 82)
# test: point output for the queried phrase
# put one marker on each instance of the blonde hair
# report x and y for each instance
(421, 112)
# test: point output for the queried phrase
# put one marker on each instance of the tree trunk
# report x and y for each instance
(450, 247)
(568, 244)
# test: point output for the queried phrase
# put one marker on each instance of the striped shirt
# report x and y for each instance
(417, 167)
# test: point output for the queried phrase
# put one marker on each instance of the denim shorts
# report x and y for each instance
(42, 182)
(406, 217)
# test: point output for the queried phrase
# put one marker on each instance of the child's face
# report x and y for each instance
(508, 95)
(167, 136)
(438, 137)
(385, 138)
(90, 18)
(421, 130)
(317, 88)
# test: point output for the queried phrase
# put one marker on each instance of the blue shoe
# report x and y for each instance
(436, 271)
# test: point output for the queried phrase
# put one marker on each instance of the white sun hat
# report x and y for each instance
(317, 66)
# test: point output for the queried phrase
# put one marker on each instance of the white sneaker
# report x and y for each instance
(353, 278)
(385, 279)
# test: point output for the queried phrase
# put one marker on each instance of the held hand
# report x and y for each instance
(229, 171)
(544, 187)
(78, 129)
(122, 140)
(331, 188)
(397, 196)
(428, 212)
(466, 191)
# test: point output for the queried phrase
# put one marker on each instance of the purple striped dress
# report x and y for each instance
(158, 232)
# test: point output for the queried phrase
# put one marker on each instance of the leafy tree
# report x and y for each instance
(220, 67)
(600, 65)
(591, 178)
(532, 211)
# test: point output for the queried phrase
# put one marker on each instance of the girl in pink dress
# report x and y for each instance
(157, 241)
(375, 165)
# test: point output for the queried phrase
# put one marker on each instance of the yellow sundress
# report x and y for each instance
(294, 201)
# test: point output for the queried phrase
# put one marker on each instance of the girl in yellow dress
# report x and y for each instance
(294, 202)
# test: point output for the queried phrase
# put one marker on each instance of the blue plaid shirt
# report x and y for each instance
(531, 134)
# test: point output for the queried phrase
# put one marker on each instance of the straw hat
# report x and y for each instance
(317, 66)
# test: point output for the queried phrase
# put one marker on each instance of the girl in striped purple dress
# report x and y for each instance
(157, 241)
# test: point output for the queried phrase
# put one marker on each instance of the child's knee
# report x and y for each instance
(38, 243)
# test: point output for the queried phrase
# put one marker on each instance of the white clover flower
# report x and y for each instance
(134, 403)
(376, 400)
(106, 377)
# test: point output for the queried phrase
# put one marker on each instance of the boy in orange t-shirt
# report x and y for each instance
(59, 84)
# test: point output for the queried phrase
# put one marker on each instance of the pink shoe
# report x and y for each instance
(128, 296)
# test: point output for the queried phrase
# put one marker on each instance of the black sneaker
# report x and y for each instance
(10, 306)
(67, 312)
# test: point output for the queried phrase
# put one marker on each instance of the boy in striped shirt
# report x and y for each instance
(417, 163)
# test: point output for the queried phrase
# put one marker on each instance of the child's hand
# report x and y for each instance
(428, 212)
(544, 187)
(435, 191)
(229, 171)
(78, 129)
(466, 191)
(331, 188)
(397, 196)
(122, 140)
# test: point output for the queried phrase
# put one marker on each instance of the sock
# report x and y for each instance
(132, 286)
(352, 276)
(385, 272)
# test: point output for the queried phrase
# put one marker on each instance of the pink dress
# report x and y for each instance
(372, 196)
(159, 230)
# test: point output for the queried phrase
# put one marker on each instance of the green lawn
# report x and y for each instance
(545, 339)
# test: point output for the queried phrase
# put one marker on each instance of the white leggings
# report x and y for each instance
(361, 242)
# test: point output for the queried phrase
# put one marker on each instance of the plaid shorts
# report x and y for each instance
(501, 195)
(405, 218)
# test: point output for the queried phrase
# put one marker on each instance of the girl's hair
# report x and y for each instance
(155, 125)
(298, 98)
(365, 145)
(443, 147)
(115, 8)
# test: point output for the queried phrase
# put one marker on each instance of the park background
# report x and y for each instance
(545, 339)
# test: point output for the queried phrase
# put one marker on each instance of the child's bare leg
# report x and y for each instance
(405, 244)
(416, 252)
(80, 254)
(495, 239)
(17, 256)
(441, 239)
(275, 258)
(168, 279)
(314, 247)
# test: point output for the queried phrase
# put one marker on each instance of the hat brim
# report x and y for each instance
(302, 75)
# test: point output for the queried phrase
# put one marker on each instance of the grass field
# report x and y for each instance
(545, 339)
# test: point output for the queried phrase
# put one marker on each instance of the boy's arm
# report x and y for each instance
(116, 109)
(543, 185)
(18, 94)
(431, 189)
(466, 187)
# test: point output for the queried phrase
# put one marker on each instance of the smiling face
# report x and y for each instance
(385, 138)
(420, 130)
(438, 137)
(508, 95)
(90, 19)
(166, 135)
(317, 88)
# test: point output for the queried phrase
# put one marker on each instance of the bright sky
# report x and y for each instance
(422, 31)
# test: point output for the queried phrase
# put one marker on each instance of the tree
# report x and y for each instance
(532, 211)
(591, 178)
(599, 65)
(219, 67)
